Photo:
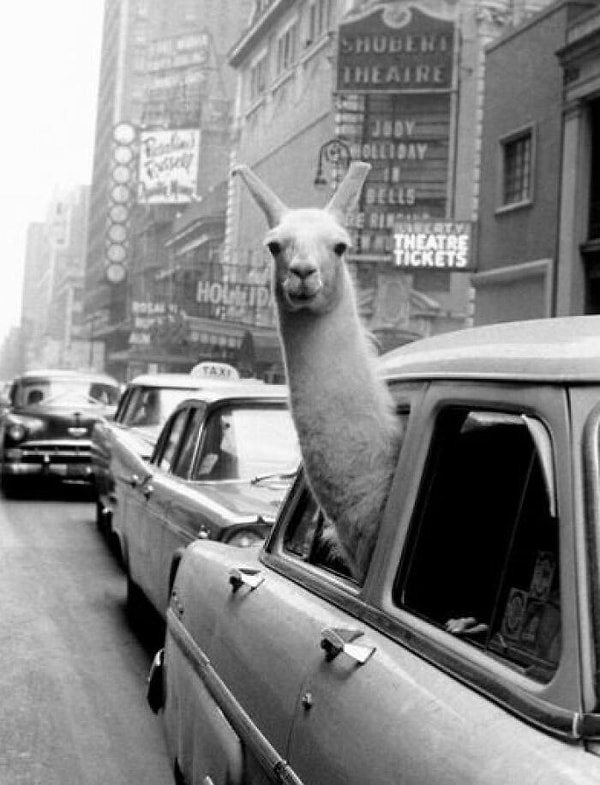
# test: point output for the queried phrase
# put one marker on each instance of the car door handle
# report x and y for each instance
(147, 490)
(244, 576)
(337, 640)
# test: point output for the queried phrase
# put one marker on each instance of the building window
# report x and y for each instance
(258, 78)
(286, 48)
(318, 19)
(517, 161)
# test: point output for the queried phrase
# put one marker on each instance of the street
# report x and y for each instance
(73, 675)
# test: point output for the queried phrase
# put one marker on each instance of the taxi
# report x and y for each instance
(469, 653)
(146, 403)
(219, 471)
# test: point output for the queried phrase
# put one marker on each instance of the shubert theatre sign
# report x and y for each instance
(398, 57)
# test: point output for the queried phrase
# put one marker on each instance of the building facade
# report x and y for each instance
(163, 118)
(537, 229)
(400, 85)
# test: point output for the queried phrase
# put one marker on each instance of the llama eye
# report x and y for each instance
(339, 248)
(274, 248)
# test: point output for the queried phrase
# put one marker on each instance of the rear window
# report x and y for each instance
(151, 406)
(47, 391)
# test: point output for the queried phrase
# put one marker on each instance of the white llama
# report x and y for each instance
(344, 415)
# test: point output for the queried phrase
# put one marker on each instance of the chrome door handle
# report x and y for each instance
(148, 490)
(336, 640)
(244, 576)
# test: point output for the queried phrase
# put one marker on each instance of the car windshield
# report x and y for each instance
(247, 442)
(150, 406)
(66, 392)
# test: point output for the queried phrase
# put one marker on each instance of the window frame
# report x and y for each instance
(284, 62)
(524, 132)
(548, 705)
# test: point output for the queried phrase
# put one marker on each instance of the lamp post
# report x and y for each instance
(334, 152)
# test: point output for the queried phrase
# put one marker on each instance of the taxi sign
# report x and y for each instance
(214, 370)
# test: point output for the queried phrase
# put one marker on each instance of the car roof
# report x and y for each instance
(239, 391)
(62, 373)
(542, 350)
(182, 380)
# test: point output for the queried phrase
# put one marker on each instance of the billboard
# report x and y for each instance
(168, 166)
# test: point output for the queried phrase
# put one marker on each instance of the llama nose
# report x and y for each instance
(303, 268)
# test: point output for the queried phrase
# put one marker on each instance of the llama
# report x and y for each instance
(343, 412)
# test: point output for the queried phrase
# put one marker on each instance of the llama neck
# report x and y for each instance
(344, 417)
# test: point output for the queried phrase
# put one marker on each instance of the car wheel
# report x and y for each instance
(10, 486)
(177, 775)
(100, 517)
(135, 602)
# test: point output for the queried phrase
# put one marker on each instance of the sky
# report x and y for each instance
(49, 68)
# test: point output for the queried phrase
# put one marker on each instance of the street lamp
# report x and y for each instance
(334, 152)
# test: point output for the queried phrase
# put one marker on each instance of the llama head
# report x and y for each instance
(307, 245)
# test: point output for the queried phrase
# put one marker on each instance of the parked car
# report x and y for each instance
(470, 652)
(220, 469)
(146, 403)
(46, 430)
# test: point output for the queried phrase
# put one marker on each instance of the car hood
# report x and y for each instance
(243, 497)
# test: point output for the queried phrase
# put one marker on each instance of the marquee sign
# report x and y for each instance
(396, 47)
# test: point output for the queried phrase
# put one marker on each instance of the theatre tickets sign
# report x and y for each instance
(439, 245)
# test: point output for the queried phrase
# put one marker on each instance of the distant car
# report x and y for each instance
(146, 403)
(469, 654)
(46, 430)
(220, 469)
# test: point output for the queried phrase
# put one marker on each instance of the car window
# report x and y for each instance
(151, 406)
(244, 442)
(189, 442)
(311, 537)
(482, 560)
(64, 392)
(167, 452)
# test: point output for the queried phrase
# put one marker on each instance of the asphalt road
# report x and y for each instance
(72, 669)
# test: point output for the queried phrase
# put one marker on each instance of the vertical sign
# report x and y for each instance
(399, 57)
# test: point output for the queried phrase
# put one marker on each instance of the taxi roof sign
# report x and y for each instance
(215, 370)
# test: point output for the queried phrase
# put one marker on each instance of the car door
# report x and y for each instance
(454, 670)
(181, 512)
(148, 508)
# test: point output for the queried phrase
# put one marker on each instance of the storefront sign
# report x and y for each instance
(233, 294)
(397, 47)
(168, 172)
(147, 317)
(434, 246)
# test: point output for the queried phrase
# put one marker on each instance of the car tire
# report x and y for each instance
(101, 522)
(135, 600)
(10, 486)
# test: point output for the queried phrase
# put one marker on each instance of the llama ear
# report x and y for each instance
(345, 198)
(270, 204)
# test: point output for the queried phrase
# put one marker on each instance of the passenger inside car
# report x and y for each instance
(34, 397)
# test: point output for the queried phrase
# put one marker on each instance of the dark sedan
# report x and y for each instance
(45, 433)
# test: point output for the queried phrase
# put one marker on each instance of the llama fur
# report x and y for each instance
(344, 415)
